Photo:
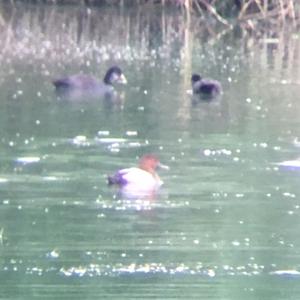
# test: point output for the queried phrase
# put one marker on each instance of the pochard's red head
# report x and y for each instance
(150, 162)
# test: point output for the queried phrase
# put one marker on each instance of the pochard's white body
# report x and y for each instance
(138, 181)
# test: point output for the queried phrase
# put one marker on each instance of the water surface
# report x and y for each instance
(225, 225)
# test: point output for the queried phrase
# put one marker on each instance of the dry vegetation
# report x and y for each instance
(64, 32)
(276, 10)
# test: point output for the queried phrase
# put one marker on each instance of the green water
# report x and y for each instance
(225, 224)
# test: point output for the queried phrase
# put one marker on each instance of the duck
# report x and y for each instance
(207, 88)
(81, 85)
(141, 180)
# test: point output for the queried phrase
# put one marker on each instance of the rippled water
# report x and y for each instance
(225, 224)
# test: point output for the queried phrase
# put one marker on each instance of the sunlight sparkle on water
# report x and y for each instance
(28, 159)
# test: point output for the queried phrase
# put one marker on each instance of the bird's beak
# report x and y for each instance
(162, 166)
(122, 79)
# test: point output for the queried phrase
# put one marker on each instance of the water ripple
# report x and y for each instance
(139, 204)
(155, 268)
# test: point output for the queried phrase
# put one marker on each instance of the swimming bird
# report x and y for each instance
(81, 85)
(207, 88)
(141, 180)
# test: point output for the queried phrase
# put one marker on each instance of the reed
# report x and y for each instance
(66, 34)
(249, 14)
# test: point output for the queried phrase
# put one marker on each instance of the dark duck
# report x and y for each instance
(81, 85)
(205, 88)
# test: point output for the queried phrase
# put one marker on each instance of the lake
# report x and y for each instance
(224, 225)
